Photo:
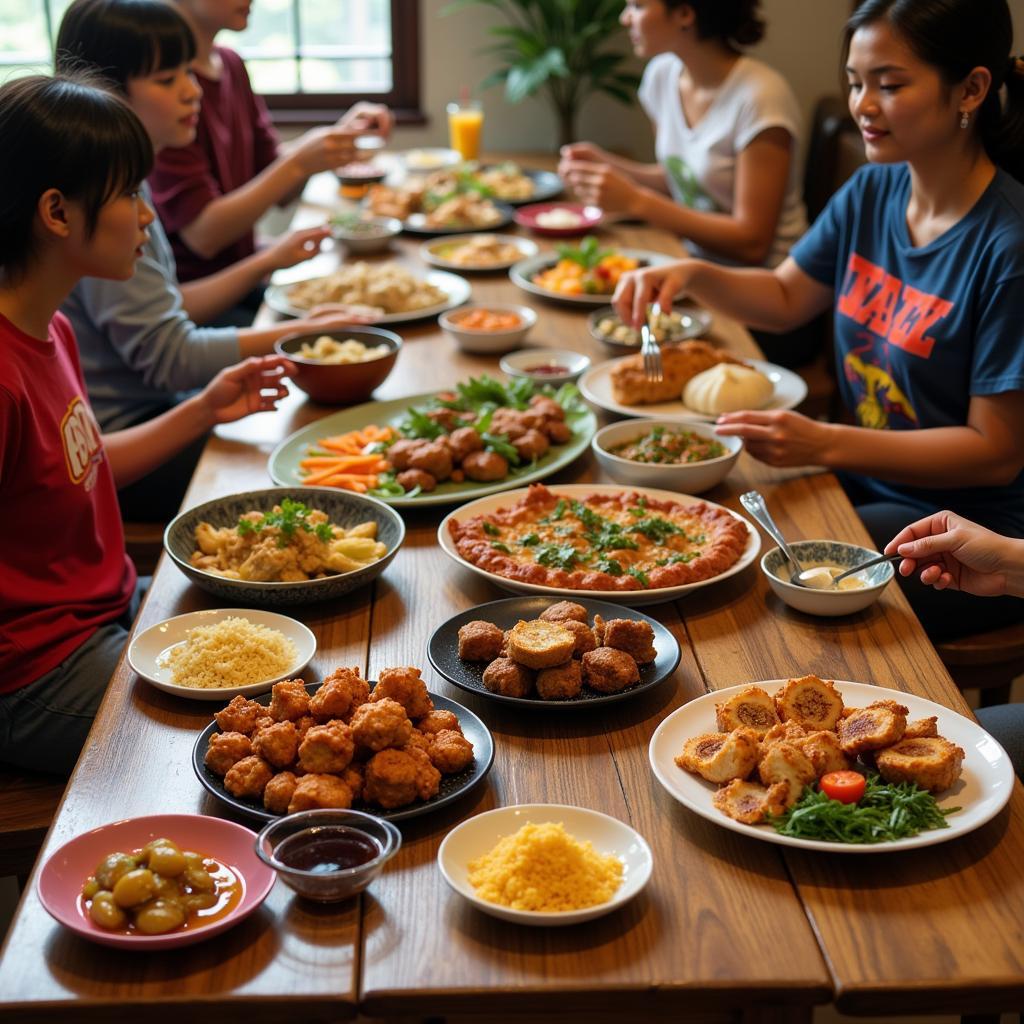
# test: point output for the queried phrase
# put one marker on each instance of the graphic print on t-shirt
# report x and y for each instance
(83, 448)
(687, 186)
(892, 313)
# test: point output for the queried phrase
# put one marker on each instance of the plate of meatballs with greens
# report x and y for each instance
(531, 651)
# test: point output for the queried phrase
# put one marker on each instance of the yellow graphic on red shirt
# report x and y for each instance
(83, 447)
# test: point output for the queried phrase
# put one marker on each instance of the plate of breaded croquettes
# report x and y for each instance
(766, 758)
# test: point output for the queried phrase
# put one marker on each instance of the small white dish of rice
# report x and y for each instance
(218, 653)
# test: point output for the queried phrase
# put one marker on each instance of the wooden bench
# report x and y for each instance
(28, 803)
(988, 662)
(144, 543)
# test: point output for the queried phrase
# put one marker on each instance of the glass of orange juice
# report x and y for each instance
(465, 126)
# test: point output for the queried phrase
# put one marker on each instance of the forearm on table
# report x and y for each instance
(650, 176)
(136, 451)
(207, 297)
(228, 217)
(259, 341)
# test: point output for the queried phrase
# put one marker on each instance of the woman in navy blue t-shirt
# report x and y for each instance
(921, 257)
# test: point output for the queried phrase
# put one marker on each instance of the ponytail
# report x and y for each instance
(1002, 123)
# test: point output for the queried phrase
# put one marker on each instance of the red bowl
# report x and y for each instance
(589, 218)
(61, 879)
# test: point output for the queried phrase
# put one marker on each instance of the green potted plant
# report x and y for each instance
(558, 47)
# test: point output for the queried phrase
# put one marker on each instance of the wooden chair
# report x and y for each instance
(144, 542)
(28, 803)
(988, 662)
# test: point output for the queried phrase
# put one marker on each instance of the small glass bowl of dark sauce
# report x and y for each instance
(328, 855)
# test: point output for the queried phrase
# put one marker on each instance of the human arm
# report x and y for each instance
(335, 316)
(253, 386)
(579, 158)
(206, 297)
(955, 553)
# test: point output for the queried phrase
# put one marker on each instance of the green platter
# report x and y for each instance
(284, 459)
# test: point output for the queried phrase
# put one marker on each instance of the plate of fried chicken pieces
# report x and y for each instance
(741, 755)
(531, 651)
(390, 747)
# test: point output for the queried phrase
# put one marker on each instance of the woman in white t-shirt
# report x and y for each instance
(726, 138)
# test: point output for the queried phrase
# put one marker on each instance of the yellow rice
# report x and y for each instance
(232, 652)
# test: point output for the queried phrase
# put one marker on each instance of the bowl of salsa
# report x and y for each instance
(686, 457)
(488, 328)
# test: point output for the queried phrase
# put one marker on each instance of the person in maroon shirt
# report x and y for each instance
(211, 193)
(69, 208)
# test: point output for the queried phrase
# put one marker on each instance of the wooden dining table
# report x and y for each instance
(730, 928)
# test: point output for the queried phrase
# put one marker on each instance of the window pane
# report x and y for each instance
(346, 75)
(23, 35)
(273, 76)
(360, 24)
(271, 32)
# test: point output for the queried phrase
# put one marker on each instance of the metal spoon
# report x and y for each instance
(819, 578)
(867, 565)
(753, 502)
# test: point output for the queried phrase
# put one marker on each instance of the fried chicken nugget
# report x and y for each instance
(248, 777)
(327, 748)
(358, 688)
(783, 762)
(921, 728)
(289, 700)
(878, 725)
(508, 678)
(540, 644)
(395, 778)
(634, 637)
(751, 707)
(822, 749)
(584, 636)
(450, 752)
(438, 720)
(405, 686)
(750, 803)
(240, 715)
(721, 756)
(226, 749)
(562, 682)
(811, 702)
(931, 762)
(480, 641)
(278, 794)
(315, 791)
(609, 671)
(352, 776)
(332, 700)
(565, 611)
(381, 724)
(277, 743)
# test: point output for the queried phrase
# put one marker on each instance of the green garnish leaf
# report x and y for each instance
(491, 530)
(639, 574)
(556, 556)
(503, 548)
(292, 516)
(530, 540)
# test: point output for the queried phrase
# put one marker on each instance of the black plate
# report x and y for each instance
(452, 786)
(415, 224)
(443, 649)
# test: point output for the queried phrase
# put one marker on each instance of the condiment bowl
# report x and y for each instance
(687, 477)
(532, 218)
(777, 569)
(369, 235)
(479, 835)
(693, 323)
(489, 342)
(327, 886)
(527, 362)
(341, 383)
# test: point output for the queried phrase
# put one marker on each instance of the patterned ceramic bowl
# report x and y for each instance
(811, 553)
(344, 509)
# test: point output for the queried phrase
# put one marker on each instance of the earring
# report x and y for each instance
(965, 119)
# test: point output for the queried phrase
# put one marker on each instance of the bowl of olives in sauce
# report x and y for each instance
(328, 855)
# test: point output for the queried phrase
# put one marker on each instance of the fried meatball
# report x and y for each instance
(332, 700)
(277, 743)
(584, 637)
(565, 610)
(931, 762)
(513, 423)
(289, 701)
(410, 479)
(327, 748)
(480, 641)
(540, 644)
(532, 445)
(547, 407)
(464, 441)
(508, 678)
(485, 466)
(359, 688)
(352, 776)
(226, 749)
(558, 431)
(811, 702)
(381, 724)
(303, 725)
(720, 756)
(240, 715)
(395, 778)
(401, 451)
(609, 671)
(450, 752)
(752, 707)
(434, 458)
(634, 637)
(278, 793)
(878, 725)
(561, 682)
(417, 741)
(405, 686)
(316, 791)
(438, 720)
(248, 777)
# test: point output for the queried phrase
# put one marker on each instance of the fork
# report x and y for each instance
(649, 348)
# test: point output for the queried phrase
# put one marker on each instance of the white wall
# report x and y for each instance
(802, 41)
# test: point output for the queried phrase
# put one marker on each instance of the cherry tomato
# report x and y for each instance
(846, 787)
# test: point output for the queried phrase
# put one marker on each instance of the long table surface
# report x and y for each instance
(729, 927)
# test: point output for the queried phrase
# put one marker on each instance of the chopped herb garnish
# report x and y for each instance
(681, 557)
(530, 540)
(556, 556)
(503, 548)
(293, 515)
(639, 574)
(608, 565)
(655, 529)
(491, 530)
(557, 512)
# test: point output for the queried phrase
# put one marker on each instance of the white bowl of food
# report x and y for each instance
(545, 365)
(362, 235)
(854, 594)
(468, 855)
(431, 158)
(684, 457)
(488, 328)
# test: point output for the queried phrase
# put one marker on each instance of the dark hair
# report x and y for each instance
(66, 133)
(122, 39)
(736, 23)
(954, 37)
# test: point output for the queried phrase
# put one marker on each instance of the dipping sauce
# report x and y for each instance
(820, 577)
(670, 448)
(327, 848)
(548, 369)
(488, 320)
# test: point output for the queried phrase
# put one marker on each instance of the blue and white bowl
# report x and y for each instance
(342, 507)
(777, 569)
